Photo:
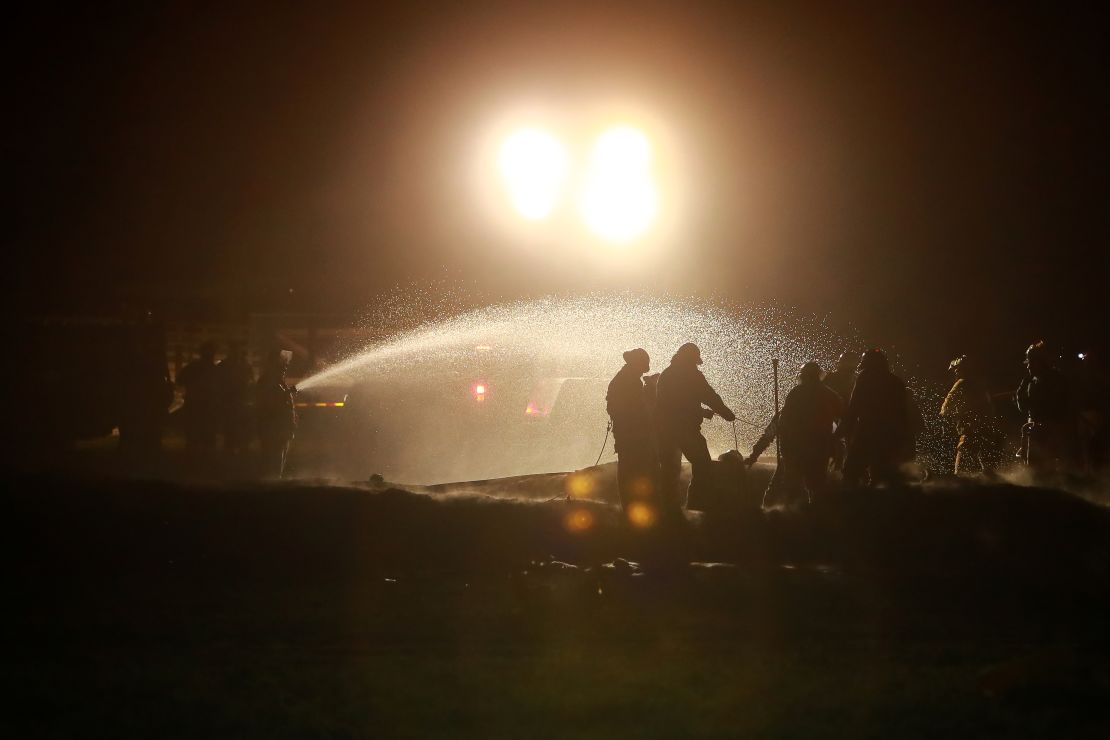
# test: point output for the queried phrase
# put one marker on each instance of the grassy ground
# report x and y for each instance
(162, 610)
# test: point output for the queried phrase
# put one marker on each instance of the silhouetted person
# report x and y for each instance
(682, 391)
(147, 394)
(201, 410)
(1092, 391)
(275, 413)
(629, 407)
(804, 427)
(968, 407)
(842, 380)
(235, 378)
(1043, 397)
(877, 425)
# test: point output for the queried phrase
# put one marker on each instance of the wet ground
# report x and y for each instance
(311, 610)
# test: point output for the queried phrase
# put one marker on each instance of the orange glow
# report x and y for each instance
(579, 485)
(480, 390)
(641, 515)
(578, 520)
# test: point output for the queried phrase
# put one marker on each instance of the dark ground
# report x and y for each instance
(298, 610)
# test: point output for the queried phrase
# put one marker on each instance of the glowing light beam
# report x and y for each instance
(619, 199)
(534, 167)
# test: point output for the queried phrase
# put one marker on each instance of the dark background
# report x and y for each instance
(934, 175)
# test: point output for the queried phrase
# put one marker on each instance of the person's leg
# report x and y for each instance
(625, 472)
(670, 470)
(696, 450)
(283, 455)
(855, 464)
(772, 494)
(638, 481)
(815, 472)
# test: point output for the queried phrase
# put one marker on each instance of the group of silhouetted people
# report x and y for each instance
(658, 421)
(221, 403)
(1064, 416)
(860, 421)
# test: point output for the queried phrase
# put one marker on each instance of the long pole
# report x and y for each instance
(778, 427)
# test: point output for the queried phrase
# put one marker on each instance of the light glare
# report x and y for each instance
(534, 167)
(619, 199)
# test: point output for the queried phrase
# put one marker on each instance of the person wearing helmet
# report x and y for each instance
(1091, 387)
(276, 415)
(201, 408)
(968, 407)
(1043, 397)
(804, 427)
(235, 379)
(146, 397)
(842, 380)
(878, 426)
(683, 394)
(629, 410)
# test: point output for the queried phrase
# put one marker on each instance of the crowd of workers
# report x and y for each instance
(858, 423)
(224, 408)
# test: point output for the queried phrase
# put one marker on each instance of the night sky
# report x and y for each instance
(937, 177)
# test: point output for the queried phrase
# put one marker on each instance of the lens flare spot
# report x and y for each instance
(578, 520)
(641, 515)
(580, 485)
(619, 199)
(534, 167)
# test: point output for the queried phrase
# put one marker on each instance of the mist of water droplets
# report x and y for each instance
(585, 336)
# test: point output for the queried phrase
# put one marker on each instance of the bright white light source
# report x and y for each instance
(534, 166)
(619, 199)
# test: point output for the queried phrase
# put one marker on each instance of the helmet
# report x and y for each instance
(1038, 350)
(687, 353)
(810, 373)
(1037, 355)
(637, 356)
(873, 359)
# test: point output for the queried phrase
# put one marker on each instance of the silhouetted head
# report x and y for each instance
(846, 363)
(207, 351)
(1037, 357)
(638, 360)
(873, 359)
(687, 354)
(960, 366)
(277, 361)
(810, 373)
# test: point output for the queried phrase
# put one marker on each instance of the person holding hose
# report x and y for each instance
(682, 397)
